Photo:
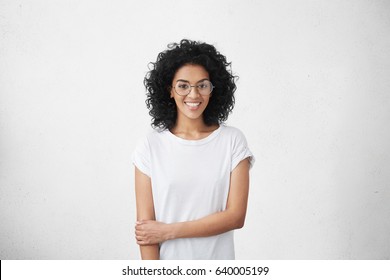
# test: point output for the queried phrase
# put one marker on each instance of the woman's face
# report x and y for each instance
(190, 106)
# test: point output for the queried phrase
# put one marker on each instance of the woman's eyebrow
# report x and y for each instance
(182, 80)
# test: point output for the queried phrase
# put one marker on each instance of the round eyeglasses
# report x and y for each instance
(184, 88)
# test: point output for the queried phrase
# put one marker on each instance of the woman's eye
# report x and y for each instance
(183, 86)
(203, 86)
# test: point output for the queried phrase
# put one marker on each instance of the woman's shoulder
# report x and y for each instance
(151, 132)
(149, 135)
(233, 135)
(231, 131)
(155, 136)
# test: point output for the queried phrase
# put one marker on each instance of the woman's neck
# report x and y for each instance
(192, 129)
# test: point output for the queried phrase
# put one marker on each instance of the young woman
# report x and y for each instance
(192, 171)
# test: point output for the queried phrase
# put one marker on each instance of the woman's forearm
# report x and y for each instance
(150, 252)
(210, 225)
(153, 232)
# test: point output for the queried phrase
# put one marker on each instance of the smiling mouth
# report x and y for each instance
(192, 105)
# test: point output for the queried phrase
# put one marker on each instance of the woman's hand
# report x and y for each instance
(151, 232)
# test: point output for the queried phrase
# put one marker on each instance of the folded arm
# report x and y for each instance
(149, 231)
(145, 211)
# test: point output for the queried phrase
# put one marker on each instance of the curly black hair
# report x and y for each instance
(158, 82)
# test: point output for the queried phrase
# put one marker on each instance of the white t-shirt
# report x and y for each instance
(190, 180)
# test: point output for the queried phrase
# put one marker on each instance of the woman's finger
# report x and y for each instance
(142, 243)
(138, 227)
(139, 238)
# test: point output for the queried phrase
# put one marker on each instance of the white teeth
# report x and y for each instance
(192, 104)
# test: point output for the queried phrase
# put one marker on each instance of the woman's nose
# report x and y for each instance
(194, 91)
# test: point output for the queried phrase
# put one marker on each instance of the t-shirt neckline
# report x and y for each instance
(202, 141)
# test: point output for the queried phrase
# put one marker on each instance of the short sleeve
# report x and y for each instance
(241, 151)
(141, 156)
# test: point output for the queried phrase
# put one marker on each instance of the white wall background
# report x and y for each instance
(313, 100)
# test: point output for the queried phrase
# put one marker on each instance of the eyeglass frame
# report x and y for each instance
(191, 86)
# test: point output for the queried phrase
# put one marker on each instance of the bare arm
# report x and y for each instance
(233, 217)
(145, 211)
